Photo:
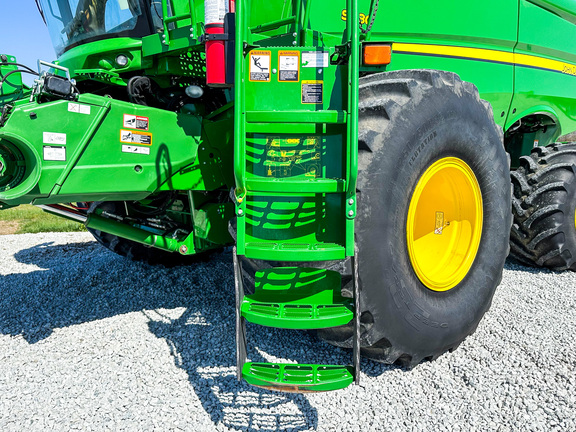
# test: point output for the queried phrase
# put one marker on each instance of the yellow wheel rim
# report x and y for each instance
(444, 224)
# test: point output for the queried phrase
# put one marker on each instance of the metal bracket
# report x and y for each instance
(241, 343)
(341, 54)
(357, 312)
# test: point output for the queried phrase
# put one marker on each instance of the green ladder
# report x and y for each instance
(295, 166)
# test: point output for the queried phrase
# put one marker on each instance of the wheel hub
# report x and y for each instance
(444, 224)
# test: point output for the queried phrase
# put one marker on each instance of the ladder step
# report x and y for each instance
(300, 252)
(298, 377)
(312, 185)
(297, 298)
(297, 116)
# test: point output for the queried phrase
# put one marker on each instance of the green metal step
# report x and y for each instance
(297, 298)
(298, 377)
(314, 185)
(287, 251)
(297, 116)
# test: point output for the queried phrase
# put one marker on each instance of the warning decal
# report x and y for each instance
(260, 65)
(133, 137)
(54, 153)
(135, 149)
(136, 122)
(312, 92)
(288, 66)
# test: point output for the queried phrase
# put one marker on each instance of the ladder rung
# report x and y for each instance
(324, 116)
(297, 252)
(273, 25)
(279, 185)
(298, 377)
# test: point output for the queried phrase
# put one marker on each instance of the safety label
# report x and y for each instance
(439, 226)
(312, 92)
(136, 149)
(136, 122)
(288, 66)
(54, 153)
(78, 108)
(133, 137)
(315, 59)
(54, 138)
(260, 65)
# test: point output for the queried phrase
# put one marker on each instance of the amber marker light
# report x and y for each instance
(377, 54)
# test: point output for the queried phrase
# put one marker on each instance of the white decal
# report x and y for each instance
(54, 153)
(54, 138)
(136, 149)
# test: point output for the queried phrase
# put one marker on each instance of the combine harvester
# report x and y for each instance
(358, 165)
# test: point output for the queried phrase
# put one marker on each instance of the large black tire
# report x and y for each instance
(409, 120)
(544, 202)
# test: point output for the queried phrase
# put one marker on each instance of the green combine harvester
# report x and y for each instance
(356, 154)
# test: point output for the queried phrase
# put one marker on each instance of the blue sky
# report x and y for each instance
(23, 34)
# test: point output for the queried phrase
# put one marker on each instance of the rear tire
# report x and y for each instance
(410, 121)
(544, 203)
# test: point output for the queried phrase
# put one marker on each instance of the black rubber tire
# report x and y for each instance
(408, 120)
(137, 251)
(543, 204)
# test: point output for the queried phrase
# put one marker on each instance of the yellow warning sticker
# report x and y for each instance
(260, 65)
(289, 66)
(312, 92)
(134, 137)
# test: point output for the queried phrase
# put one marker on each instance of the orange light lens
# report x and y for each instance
(375, 55)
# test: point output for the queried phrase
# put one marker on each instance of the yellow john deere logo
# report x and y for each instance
(363, 17)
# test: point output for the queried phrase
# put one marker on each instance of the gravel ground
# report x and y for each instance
(91, 341)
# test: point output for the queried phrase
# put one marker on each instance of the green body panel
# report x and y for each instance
(98, 166)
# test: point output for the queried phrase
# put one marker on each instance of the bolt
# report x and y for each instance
(294, 43)
(294, 34)
(240, 211)
(351, 213)
(274, 71)
(33, 115)
(320, 71)
(183, 249)
(350, 201)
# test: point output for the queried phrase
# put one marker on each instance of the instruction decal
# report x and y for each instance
(133, 137)
(54, 153)
(54, 138)
(135, 149)
(78, 108)
(312, 92)
(289, 66)
(136, 122)
(315, 59)
(260, 65)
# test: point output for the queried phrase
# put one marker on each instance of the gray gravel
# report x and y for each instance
(91, 341)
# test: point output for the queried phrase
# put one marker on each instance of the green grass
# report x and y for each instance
(31, 219)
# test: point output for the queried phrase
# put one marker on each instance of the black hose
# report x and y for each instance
(13, 72)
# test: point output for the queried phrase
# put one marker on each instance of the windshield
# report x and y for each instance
(71, 22)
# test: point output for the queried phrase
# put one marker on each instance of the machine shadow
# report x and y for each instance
(57, 290)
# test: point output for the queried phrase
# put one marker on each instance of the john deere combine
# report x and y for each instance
(353, 152)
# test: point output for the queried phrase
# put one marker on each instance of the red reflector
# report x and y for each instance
(377, 54)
